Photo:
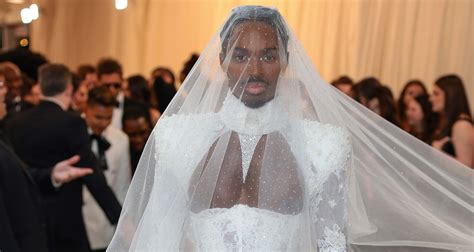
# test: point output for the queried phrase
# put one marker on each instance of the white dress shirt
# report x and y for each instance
(118, 112)
(118, 176)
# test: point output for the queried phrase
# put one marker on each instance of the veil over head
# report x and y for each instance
(257, 152)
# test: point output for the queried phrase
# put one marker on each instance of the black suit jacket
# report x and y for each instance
(22, 226)
(43, 136)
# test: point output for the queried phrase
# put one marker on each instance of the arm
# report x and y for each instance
(463, 141)
(331, 214)
(328, 199)
(95, 182)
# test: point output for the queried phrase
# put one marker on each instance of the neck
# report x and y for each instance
(61, 99)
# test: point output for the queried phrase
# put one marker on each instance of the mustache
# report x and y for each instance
(256, 79)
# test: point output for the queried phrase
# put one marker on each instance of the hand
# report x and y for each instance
(64, 172)
(438, 144)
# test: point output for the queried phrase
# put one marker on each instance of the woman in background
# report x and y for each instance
(411, 90)
(420, 118)
(454, 134)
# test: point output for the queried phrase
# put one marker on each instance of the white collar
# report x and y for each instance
(253, 121)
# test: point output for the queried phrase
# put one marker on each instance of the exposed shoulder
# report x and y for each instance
(462, 126)
(462, 130)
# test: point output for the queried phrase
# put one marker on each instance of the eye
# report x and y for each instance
(241, 58)
(268, 57)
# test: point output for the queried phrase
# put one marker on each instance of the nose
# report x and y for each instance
(254, 66)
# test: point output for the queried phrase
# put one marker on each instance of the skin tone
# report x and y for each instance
(374, 105)
(113, 81)
(98, 117)
(91, 80)
(254, 65)
(3, 93)
(35, 96)
(138, 131)
(345, 88)
(415, 115)
(79, 98)
(462, 135)
(253, 70)
(64, 171)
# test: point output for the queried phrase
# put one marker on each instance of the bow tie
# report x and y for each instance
(101, 142)
(103, 145)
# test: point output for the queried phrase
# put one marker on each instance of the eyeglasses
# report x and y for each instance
(115, 85)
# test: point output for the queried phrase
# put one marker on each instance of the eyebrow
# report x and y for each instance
(270, 49)
(240, 49)
(244, 50)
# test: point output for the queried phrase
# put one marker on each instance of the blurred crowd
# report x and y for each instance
(50, 113)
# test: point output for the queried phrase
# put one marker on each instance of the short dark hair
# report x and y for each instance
(109, 66)
(53, 79)
(134, 112)
(138, 87)
(342, 80)
(366, 88)
(101, 96)
(76, 82)
(84, 70)
(256, 14)
(26, 86)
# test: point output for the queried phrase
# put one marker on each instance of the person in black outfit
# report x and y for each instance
(21, 217)
(46, 134)
(137, 126)
(455, 133)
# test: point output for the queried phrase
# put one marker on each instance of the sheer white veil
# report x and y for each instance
(400, 192)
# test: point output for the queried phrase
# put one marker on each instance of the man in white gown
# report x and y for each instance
(252, 155)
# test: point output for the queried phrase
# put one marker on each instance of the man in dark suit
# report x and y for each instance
(22, 223)
(46, 134)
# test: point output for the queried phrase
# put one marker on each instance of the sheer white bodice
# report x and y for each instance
(323, 152)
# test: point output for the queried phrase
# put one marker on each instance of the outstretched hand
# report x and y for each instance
(65, 172)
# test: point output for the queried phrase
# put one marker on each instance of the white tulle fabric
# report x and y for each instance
(333, 175)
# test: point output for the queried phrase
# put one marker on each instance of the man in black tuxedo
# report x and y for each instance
(46, 134)
(22, 223)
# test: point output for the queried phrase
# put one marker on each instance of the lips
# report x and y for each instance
(255, 88)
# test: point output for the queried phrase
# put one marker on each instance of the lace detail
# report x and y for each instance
(173, 135)
(243, 228)
(323, 152)
(247, 144)
(334, 240)
(253, 121)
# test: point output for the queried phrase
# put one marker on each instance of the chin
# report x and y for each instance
(256, 102)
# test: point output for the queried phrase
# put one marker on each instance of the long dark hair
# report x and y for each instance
(402, 117)
(455, 102)
(430, 119)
